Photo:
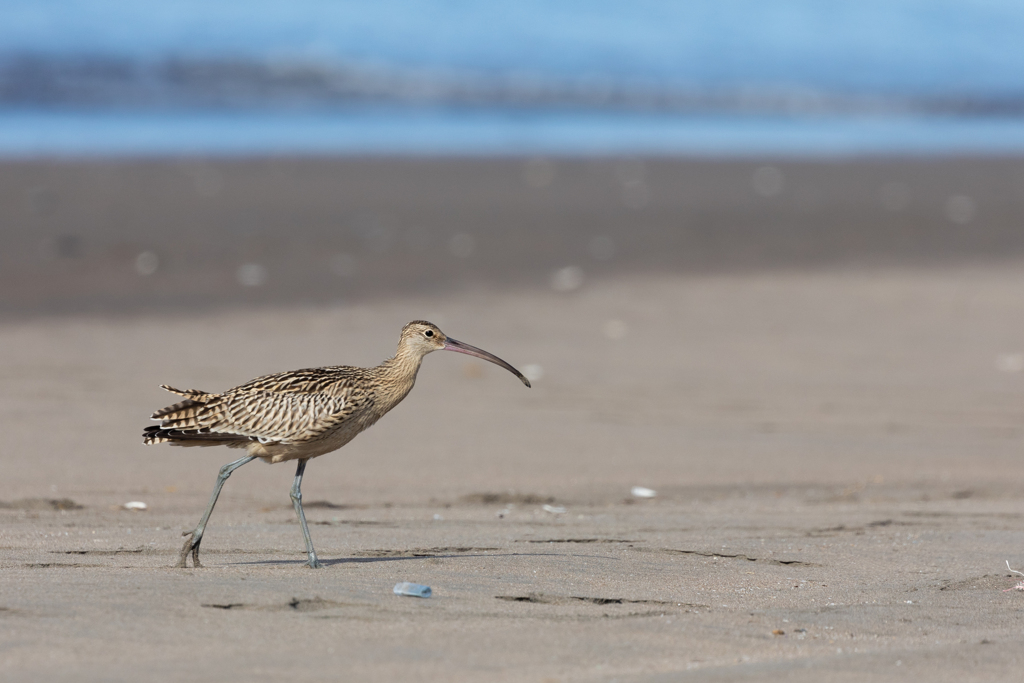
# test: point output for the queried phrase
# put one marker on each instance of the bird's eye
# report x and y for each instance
(429, 333)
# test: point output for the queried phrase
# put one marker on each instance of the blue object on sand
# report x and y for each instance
(413, 590)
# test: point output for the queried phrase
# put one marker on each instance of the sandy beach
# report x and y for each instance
(819, 368)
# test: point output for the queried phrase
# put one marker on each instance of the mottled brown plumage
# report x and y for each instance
(300, 414)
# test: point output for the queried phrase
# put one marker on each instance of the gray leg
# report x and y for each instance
(311, 561)
(195, 537)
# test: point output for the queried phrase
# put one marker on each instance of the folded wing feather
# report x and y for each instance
(250, 413)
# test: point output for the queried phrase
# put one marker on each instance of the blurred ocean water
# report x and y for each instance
(733, 77)
(488, 132)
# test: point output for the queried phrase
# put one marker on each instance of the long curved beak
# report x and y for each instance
(457, 346)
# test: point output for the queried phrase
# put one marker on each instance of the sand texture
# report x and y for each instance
(835, 442)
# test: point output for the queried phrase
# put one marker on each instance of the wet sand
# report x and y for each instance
(835, 446)
(330, 231)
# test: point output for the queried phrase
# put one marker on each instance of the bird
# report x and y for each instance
(298, 415)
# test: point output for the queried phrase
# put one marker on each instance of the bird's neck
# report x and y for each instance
(400, 370)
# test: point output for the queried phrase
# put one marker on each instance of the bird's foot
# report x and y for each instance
(313, 563)
(191, 546)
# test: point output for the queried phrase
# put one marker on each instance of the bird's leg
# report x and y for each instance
(311, 561)
(195, 537)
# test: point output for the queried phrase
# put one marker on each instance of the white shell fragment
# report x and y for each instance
(135, 505)
(642, 492)
(555, 510)
(413, 590)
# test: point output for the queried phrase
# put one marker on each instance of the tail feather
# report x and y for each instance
(187, 393)
(182, 424)
(178, 437)
(183, 414)
(181, 410)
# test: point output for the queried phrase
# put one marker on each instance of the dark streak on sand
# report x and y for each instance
(578, 540)
(41, 504)
(422, 552)
(737, 556)
(542, 599)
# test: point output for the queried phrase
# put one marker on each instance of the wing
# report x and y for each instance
(273, 409)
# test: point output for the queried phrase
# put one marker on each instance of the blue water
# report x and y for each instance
(96, 77)
(496, 133)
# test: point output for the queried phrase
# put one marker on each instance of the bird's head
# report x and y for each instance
(421, 337)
